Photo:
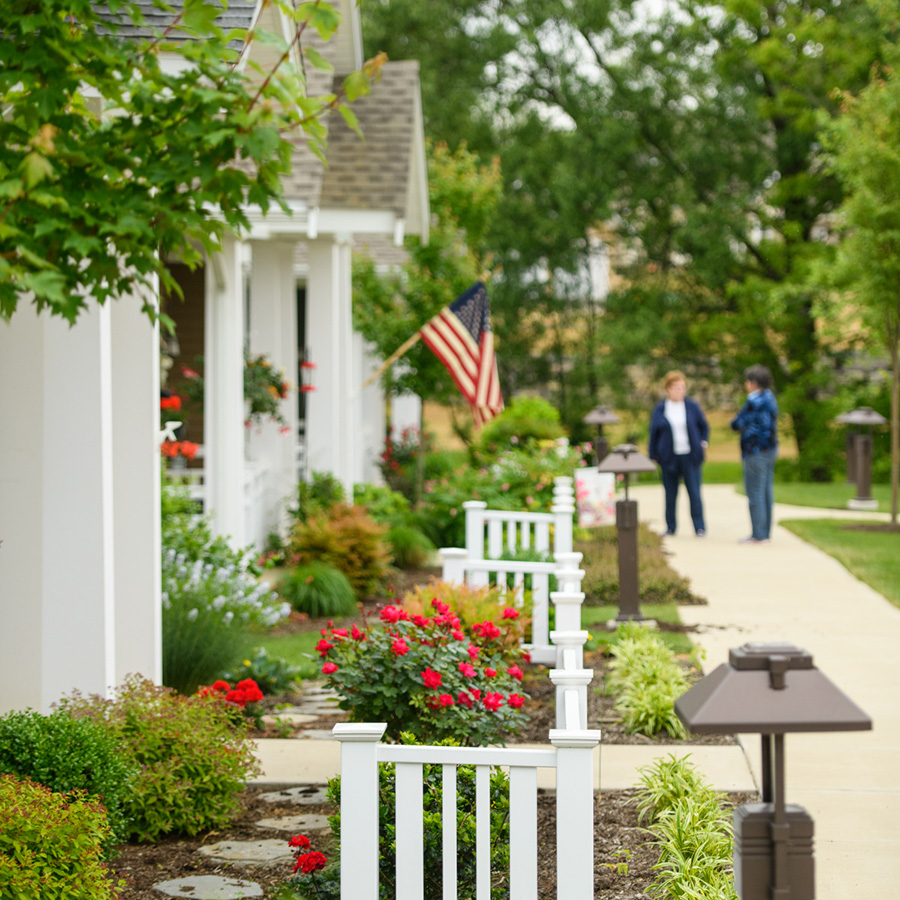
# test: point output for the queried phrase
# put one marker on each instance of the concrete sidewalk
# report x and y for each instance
(789, 591)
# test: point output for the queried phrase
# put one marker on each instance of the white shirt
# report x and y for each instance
(677, 417)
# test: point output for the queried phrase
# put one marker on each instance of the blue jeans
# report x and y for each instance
(688, 472)
(759, 475)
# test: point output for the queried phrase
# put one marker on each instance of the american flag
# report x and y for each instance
(461, 336)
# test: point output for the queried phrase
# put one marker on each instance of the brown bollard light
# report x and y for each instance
(770, 689)
(627, 460)
(859, 454)
(600, 416)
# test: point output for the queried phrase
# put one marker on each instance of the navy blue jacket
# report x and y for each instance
(662, 443)
(757, 422)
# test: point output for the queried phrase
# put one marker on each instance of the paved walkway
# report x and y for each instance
(789, 591)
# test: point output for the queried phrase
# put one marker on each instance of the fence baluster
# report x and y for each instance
(523, 834)
(483, 832)
(448, 827)
(410, 832)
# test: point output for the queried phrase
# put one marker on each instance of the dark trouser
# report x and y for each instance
(759, 476)
(688, 472)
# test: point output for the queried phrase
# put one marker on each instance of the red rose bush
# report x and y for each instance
(434, 676)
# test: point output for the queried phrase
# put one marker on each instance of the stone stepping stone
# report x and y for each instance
(209, 887)
(321, 709)
(295, 824)
(294, 718)
(307, 795)
(315, 734)
(249, 853)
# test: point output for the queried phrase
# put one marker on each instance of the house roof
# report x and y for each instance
(239, 14)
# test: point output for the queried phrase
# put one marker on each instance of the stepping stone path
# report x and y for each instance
(318, 701)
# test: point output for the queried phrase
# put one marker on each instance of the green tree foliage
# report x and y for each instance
(867, 161)
(389, 310)
(111, 161)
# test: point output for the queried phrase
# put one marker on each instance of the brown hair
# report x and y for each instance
(674, 375)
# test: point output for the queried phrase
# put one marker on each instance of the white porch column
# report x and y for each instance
(372, 420)
(223, 399)
(273, 332)
(328, 311)
(56, 514)
(136, 479)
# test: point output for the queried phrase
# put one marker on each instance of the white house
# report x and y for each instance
(79, 459)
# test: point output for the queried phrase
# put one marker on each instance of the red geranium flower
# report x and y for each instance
(299, 840)
(221, 685)
(310, 862)
(431, 678)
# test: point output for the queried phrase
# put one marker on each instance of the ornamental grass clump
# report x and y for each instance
(692, 828)
(319, 590)
(646, 679)
(194, 755)
(51, 844)
(432, 676)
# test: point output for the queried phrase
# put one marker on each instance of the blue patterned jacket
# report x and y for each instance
(757, 422)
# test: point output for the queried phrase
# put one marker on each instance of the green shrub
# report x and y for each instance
(410, 548)
(66, 754)
(431, 676)
(210, 596)
(51, 845)
(658, 582)
(193, 752)
(318, 495)
(646, 680)
(690, 824)
(326, 884)
(272, 675)
(347, 538)
(319, 590)
(525, 419)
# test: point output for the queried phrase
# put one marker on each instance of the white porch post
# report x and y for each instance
(330, 339)
(273, 332)
(372, 421)
(56, 518)
(223, 400)
(136, 504)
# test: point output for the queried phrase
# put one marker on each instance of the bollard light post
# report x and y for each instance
(859, 454)
(770, 689)
(600, 416)
(627, 460)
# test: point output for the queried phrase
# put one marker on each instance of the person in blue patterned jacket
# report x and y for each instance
(758, 424)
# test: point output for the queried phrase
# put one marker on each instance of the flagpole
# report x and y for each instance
(391, 359)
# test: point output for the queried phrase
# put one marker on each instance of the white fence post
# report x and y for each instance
(575, 813)
(571, 697)
(475, 527)
(563, 510)
(359, 808)
(453, 570)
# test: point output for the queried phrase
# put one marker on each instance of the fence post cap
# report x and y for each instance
(564, 738)
(453, 552)
(474, 504)
(359, 731)
(563, 597)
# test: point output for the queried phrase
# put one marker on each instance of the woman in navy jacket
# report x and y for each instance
(679, 435)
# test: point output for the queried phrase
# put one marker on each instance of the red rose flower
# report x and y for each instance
(463, 698)
(516, 672)
(458, 636)
(392, 614)
(467, 669)
(399, 647)
(445, 700)
(516, 700)
(357, 635)
(493, 701)
(329, 668)
(339, 632)
(323, 647)
(510, 613)
(491, 673)
(473, 652)
(431, 678)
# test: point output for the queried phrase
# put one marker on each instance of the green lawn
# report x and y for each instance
(872, 556)
(295, 649)
(828, 496)
(594, 619)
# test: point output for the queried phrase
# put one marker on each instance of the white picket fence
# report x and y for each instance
(570, 753)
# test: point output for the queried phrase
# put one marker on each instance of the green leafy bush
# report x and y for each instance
(347, 538)
(272, 675)
(410, 548)
(646, 679)
(210, 597)
(658, 582)
(525, 419)
(690, 824)
(326, 884)
(431, 676)
(319, 494)
(66, 754)
(194, 755)
(51, 845)
(319, 590)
